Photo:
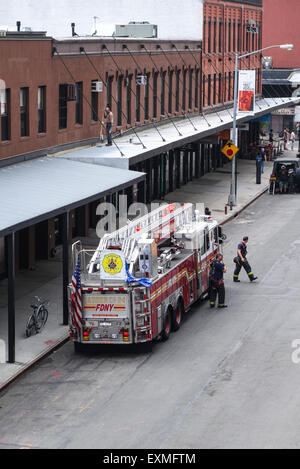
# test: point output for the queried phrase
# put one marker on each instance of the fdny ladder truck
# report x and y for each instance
(141, 279)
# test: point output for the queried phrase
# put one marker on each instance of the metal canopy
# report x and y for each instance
(134, 153)
(36, 190)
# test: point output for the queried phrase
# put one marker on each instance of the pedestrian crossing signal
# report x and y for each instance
(230, 150)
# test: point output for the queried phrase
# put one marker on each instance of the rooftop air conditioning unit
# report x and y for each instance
(141, 80)
(2, 33)
(136, 29)
(97, 86)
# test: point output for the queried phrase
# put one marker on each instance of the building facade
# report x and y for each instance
(229, 28)
(53, 93)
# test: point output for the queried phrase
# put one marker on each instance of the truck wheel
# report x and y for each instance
(177, 316)
(167, 326)
(78, 347)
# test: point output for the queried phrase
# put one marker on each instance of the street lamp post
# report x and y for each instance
(232, 195)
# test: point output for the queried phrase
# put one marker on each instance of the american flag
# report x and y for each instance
(76, 297)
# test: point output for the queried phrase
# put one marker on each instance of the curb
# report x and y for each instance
(55, 346)
(243, 207)
(60, 342)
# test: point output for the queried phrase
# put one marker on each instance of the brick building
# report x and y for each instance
(49, 103)
(229, 28)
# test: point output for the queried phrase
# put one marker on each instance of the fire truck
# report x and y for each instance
(137, 284)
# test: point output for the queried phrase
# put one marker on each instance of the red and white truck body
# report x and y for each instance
(136, 286)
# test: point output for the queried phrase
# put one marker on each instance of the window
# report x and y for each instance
(146, 97)
(215, 36)
(229, 36)
(184, 89)
(162, 93)
(230, 94)
(234, 37)
(119, 100)
(209, 90)
(204, 91)
(138, 103)
(128, 99)
(209, 37)
(197, 71)
(190, 89)
(220, 36)
(79, 102)
(170, 86)
(5, 114)
(94, 102)
(24, 112)
(155, 78)
(215, 89)
(63, 106)
(220, 88)
(41, 109)
(109, 83)
(177, 90)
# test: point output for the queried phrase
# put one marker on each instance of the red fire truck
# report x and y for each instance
(138, 283)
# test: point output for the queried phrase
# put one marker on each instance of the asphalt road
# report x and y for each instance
(226, 379)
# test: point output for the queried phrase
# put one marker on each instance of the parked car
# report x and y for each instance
(275, 177)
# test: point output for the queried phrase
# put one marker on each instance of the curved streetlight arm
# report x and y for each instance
(281, 46)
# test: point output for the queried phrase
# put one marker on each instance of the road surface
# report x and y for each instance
(226, 379)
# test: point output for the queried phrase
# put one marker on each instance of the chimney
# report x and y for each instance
(73, 29)
(18, 26)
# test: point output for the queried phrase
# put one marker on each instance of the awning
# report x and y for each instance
(36, 190)
(176, 133)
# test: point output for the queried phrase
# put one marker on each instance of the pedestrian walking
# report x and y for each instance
(218, 268)
(109, 120)
(285, 138)
(291, 181)
(292, 139)
(241, 261)
(271, 136)
(261, 159)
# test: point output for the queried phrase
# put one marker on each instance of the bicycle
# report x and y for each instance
(38, 318)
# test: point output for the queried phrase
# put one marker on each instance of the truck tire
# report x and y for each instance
(167, 325)
(177, 316)
(298, 178)
(78, 347)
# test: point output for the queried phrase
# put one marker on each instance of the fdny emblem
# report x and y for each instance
(112, 264)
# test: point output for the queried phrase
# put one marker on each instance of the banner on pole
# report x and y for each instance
(247, 86)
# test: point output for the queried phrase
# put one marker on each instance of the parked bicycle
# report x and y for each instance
(38, 318)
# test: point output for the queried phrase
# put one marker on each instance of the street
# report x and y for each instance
(226, 379)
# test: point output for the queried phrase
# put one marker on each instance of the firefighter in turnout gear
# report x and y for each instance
(241, 261)
(217, 283)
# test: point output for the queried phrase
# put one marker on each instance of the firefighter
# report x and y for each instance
(218, 268)
(241, 261)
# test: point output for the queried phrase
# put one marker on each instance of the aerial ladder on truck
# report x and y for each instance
(137, 284)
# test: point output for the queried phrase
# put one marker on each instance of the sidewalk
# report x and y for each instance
(46, 281)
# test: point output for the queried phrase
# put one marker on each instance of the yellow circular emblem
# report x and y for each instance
(112, 264)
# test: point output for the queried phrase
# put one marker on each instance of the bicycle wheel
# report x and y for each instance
(42, 317)
(30, 326)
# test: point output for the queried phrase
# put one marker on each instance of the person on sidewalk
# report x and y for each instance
(285, 138)
(241, 261)
(292, 139)
(291, 181)
(218, 268)
(261, 159)
(109, 120)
